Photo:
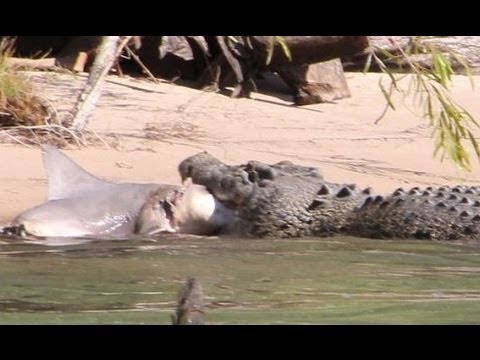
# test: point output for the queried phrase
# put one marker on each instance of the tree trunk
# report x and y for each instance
(107, 53)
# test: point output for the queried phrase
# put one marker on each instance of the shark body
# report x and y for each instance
(81, 205)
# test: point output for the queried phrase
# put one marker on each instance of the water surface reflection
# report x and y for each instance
(339, 280)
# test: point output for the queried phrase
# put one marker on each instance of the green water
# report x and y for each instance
(296, 281)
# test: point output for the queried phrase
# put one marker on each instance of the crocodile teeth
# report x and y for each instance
(465, 201)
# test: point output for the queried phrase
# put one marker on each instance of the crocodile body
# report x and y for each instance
(288, 200)
(441, 213)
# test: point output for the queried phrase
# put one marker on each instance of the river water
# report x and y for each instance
(340, 280)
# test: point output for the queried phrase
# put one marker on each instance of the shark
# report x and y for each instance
(79, 204)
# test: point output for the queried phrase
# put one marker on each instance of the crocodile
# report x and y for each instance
(288, 200)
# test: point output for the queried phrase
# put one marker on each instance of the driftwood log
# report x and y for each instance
(219, 62)
(35, 64)
(190, 309)
(308, 49)
(316, 83)
(75, 53)
(314, 72)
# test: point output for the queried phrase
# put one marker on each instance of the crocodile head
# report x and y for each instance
(278, 200)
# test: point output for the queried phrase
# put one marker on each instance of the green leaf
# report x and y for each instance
(271, 46)
(233, 39)
(429, 87)
(284, 46)
(429, 112)
(465, 66)
(474, 144)
(386, 53)
(442, 68)
(385, 70)
(368, 63)
(387, 95)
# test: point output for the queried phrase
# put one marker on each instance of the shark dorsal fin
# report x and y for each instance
(66, 179)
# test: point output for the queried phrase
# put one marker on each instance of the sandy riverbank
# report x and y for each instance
(151, 128)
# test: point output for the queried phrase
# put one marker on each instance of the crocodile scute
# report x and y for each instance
(288, 200)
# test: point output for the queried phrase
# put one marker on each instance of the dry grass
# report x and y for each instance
(28, 119)
(18, 103)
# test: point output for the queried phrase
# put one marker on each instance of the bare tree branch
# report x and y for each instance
(108, 52)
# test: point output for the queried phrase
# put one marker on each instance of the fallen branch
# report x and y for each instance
(87, 100)
(37, 64)
(52, 128)
(60, 135)
(140, 63)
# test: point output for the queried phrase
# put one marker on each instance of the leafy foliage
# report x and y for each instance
(271, 45)
(11, 85)
(429, 85)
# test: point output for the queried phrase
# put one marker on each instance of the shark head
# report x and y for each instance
(157, 214)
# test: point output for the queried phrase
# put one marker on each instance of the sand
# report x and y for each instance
(149, 128)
